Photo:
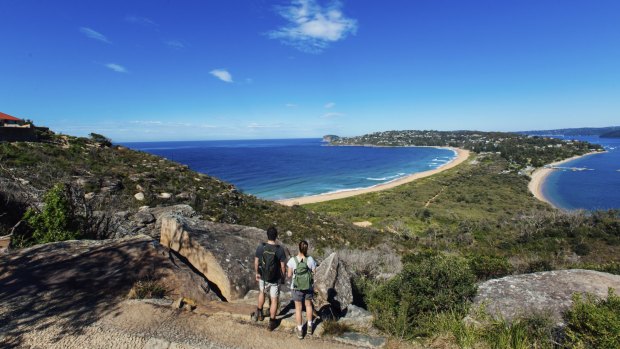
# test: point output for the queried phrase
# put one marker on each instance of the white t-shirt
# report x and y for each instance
(292, 265)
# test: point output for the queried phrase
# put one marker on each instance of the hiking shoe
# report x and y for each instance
(299, 332)
(260, 316)
(311, 329)
(272, 324)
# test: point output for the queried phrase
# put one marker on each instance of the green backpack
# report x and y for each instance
(302, 279)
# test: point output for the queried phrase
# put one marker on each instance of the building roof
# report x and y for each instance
(8, 117)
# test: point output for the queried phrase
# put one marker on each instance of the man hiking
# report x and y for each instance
(301, 268)
(270, 270)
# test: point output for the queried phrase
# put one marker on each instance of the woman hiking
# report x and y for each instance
(301, 268)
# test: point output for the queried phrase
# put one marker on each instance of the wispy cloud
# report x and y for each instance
(222, 74)
(312, 27)
(255, 125)
(332, 115)
(291, 105)
(330, 105)
(94, 35)
(116, 67)
(140, 20)
(175, 44)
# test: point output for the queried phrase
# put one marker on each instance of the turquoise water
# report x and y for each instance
(290, 168)
(598, 187)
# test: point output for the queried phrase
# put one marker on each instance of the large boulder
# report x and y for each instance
(146, 221)
(223, 253)
(90, 270)
(548, 292)
(332, 282)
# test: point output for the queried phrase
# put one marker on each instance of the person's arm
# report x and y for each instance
(256, 268)
(290, 271)
(283, 267)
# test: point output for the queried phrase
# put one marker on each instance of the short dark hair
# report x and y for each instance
(272, 233)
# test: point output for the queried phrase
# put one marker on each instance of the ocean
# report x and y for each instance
(291, 168)
(596, 188)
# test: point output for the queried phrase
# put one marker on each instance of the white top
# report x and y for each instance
(292, 265)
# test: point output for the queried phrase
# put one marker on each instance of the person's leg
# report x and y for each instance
(273, 309)
(298, 313)
(309, 311)
(274, 295)
(261, 299)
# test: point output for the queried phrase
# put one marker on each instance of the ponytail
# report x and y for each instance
(303, 247)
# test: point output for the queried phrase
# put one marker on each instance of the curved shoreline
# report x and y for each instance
(539, 176)
(461, 156)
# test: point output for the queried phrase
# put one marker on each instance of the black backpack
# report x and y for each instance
(270, 265)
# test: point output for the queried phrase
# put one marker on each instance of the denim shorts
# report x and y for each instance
(300, 296)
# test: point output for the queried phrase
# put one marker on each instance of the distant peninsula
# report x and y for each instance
(581, 131)
(611, 134)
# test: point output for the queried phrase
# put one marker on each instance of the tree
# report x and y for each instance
(101, 139)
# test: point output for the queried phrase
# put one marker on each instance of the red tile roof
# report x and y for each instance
(4, 116)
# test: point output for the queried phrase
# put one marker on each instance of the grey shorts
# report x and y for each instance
(273, 289)
(300, 296)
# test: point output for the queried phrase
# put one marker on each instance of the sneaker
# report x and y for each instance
(299, 333)
(272, 324)
(310, 328)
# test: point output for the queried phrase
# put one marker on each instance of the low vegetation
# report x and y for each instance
(147, 289)
(594, 323)
(428, 285)
(103, 179)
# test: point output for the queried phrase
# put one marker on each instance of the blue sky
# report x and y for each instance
(233, 69)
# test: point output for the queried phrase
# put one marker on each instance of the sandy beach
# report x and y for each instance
(461, 156)
(539, 175)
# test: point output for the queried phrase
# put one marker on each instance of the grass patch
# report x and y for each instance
(334, 328)
(146, 289)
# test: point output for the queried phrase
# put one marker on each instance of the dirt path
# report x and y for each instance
(137, 324)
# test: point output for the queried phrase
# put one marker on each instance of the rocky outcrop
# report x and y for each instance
(332, 282)
(89, 269)
(548, 292)
(146, 221)
(223, 253)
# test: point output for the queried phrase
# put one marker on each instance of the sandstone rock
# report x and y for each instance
(546, 292)
(183, 196)
(139, 196)
(357, 318)
(164, 195)
(332, 282)
(224, 253)
(143, 218)
(360, 340)
(90, 270)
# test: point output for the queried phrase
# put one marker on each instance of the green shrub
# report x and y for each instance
(489, 267)
(538, 265)
(55, 222)
(611, 267)
(594, 323)
(425, 287)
